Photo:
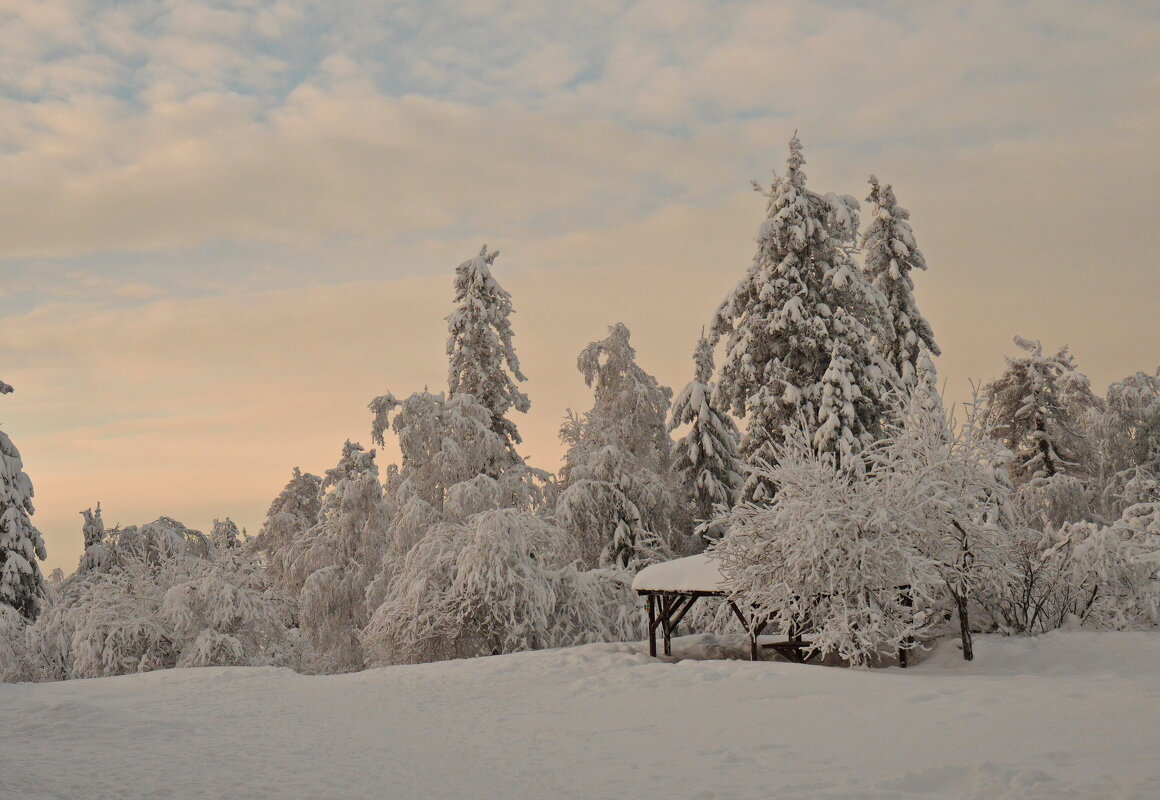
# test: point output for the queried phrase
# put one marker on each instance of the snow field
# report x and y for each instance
(1066, 715)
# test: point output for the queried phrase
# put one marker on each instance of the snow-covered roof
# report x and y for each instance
(699, 573)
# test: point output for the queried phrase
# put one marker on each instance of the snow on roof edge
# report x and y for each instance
(699, 573)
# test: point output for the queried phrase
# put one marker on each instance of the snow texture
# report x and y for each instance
(698, 573)
(1065, 715)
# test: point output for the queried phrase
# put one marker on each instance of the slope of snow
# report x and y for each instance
(1066, 715)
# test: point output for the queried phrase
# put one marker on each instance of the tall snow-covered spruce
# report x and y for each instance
(705, 459)
(483, 361)
(798, 330)
(21, 582)
(891, 255)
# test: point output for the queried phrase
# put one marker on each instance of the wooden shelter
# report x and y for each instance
(672, 588)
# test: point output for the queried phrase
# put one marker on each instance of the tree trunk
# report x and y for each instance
(965, 628)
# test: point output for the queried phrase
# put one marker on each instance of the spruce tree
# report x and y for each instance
(705, 459)
(21, 581)
(801, 319)
(483, 361)
(891, 254)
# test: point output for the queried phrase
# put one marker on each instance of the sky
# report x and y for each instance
(225, 227)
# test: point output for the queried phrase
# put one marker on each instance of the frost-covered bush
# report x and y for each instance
(497, 583)
(17, 662)
(1100, 576)
(832, 549)
(824, 555)
(155, 609)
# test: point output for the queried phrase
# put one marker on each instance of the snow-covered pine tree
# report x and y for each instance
(483, 361)
(891, 254)
(705, 459)
(21, 581)
(1036, 407)
(803, 309)
(619, 495)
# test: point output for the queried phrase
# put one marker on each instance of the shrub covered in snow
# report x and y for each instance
(499, 582)
(160, 600)
(832, 549)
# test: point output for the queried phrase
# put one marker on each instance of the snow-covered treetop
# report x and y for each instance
(1035, 406)
(483, 361)
(626, 397)
(225, 534)
(891, 254)
(705, 459)
(802, 294)
(94, 527)
(443, 440)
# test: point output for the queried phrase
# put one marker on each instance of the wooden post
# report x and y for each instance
(652, 627)
(904, 651)
(666, 628)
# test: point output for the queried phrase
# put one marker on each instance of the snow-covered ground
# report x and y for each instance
(1061, 716)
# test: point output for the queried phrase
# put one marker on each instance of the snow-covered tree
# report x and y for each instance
(93, 531)
(618, 496)
(891, 255)
(163, 598)
(336, 559)
(444, 441)
(803, 309)
(292, 513)
(834, 546)
(483, 362)
(225, 534)
(1036, 407)
(21, 581)
(498, 582)
(705, 459)
(944, 487)
(821, 555)
(1126, 430)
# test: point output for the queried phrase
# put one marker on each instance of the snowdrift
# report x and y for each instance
(1060, 716)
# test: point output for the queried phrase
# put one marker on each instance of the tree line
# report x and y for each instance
(814, 458)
